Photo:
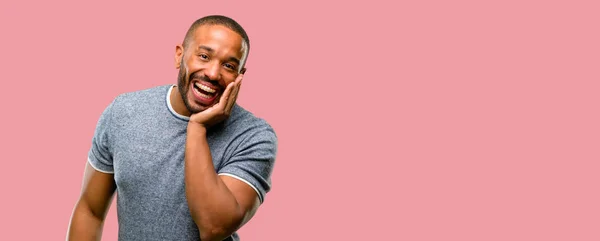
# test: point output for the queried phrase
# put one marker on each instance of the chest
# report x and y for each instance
(150, 157)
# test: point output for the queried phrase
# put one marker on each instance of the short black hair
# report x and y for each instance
(219, 20)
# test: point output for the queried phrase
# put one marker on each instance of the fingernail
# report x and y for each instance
(243, 71)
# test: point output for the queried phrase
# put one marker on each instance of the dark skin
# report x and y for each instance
(219, 205)
(88, 216)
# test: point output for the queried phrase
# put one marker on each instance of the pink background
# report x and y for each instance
(436, 120)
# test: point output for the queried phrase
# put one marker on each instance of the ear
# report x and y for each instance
(178, 55)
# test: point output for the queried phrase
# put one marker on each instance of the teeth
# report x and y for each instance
(202, 95)
(205, 88)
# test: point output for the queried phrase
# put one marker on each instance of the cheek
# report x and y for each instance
(225, 82)
(186, 69)
(192, 66)
(188, 65)
(230, 77)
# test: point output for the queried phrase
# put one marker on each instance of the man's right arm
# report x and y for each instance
(88, 216)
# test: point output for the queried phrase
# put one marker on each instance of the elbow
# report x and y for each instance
(213, 234)
(218, 232)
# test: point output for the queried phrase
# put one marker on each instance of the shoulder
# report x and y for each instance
(245, 121)
(243, 130)
(150, 95)
(135, 104)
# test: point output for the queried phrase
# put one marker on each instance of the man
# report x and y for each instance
(187, 162)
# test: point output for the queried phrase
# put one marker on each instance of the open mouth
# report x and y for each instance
(205, 93)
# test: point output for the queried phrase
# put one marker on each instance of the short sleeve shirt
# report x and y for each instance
(141, 139)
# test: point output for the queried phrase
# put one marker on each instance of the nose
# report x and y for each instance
(213, 70)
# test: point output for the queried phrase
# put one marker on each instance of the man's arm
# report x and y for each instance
(219, 205)
(88, 216)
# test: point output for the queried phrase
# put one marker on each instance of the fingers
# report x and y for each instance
(234, 93)
(220, 106)
(232, 99)
(229, 96)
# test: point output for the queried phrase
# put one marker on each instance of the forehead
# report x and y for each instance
(219, 38)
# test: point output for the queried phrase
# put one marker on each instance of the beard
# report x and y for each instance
(184, 89)
(183, 84)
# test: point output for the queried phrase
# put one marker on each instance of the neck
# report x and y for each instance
(177, 102)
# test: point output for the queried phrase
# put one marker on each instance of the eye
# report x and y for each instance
(229, 66)
(203, 56)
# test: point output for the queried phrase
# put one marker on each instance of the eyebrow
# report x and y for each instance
(234, 59)
(209, 49)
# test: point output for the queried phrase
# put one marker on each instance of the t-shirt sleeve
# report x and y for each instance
(99, 155)
(253, 161)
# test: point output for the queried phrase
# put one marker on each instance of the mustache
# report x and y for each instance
(198, 76)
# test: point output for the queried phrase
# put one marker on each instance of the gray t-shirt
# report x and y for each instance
(141, 139)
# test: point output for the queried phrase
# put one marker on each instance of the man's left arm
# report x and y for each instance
(219, 204)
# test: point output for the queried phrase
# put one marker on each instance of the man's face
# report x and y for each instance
(207, 65)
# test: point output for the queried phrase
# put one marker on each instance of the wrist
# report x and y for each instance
(194, 127)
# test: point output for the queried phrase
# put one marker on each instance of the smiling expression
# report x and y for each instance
(212, 59)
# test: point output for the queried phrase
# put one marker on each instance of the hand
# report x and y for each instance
(222, 109)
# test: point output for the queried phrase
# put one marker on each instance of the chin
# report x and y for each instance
(195, 108)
